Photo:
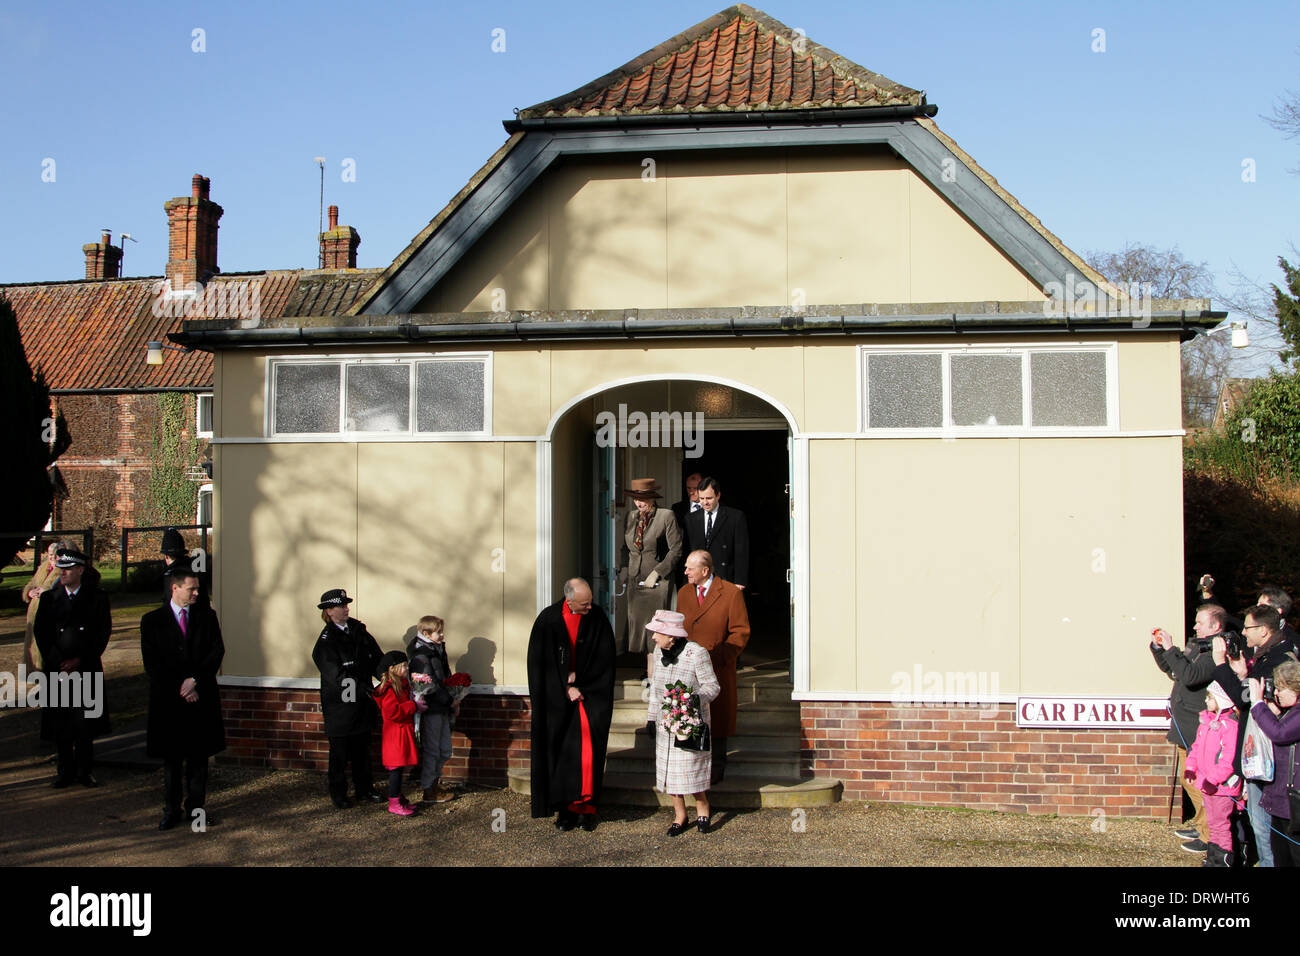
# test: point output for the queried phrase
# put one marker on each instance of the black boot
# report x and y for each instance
(1215, 856)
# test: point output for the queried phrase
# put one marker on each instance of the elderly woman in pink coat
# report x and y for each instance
(678, 770)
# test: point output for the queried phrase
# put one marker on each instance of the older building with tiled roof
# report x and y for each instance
(89, 337)
(744, 256)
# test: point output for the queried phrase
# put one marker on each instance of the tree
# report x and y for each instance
(1166, 274)
(1286, 305)
(31, 437)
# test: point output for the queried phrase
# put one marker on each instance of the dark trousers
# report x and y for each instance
(353, 750)
(1286, 852)
(187, 776)
(76, 757)
(395, 783)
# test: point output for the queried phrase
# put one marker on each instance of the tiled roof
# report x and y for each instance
(91, 334)
(739, 59)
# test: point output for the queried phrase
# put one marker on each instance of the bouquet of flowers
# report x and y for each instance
(457, 685)
(684, 718)
(421, 684)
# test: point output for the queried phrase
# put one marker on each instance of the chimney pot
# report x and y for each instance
(338, 246)
(192, 234)
(334, 217)
(106, 237)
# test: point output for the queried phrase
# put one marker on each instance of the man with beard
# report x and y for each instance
(571, 688)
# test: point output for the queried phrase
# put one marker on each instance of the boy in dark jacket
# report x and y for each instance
(428, 656)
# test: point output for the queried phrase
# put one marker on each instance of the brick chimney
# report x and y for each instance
(103, 259)
(192, 235)
(338, 246)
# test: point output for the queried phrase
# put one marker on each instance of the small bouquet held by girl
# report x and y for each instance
(684, 718)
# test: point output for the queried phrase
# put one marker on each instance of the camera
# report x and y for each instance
(1235, 643)
(1269, 691)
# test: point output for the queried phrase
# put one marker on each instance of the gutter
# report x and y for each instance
(952, 323)
(810, 117)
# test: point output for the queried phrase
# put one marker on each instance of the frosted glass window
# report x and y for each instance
(379, 398)
(307, 399)
(1068, 388)
(986, 390)
(905, 390)
(450, 397)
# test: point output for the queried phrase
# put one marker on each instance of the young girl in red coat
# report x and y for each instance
(1209, 768)
(394, 696)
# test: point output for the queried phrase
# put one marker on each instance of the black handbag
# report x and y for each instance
(1293, 798)
(703, 743)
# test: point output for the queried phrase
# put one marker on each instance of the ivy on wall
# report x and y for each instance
(171, 495)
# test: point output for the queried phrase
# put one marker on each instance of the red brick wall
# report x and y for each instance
(977, 757)
(268, 727)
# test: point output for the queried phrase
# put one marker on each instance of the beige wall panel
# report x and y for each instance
(775, 370)
(727, 236)
(831, 393)
(1101, 564)
(519, 561)
(848, 227)
(833, 592)
(240, 398)
(608, 240)
(513, 256)
(951, 260)
(288, 533)
(937, 548)
(520, 398)
(1150, 386)
(430, 515)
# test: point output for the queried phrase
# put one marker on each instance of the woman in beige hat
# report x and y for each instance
(652, 543)
(679, 769)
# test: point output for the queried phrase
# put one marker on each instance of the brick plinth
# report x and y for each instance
(270, 727)
(977, 757)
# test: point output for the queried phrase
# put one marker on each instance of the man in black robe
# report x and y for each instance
(72, 627)
(182, 650)
(571, 686)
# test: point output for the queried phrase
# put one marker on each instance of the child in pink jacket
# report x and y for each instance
(1209, 768)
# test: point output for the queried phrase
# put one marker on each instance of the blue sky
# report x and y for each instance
(1143, 142)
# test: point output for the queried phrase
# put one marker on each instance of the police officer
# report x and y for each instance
(72, 628)
(346, 656)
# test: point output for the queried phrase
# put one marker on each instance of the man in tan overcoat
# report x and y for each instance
(717, 620)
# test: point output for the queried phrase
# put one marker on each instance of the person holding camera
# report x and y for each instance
(1265, 647)
(1275, 712)
(1191, 671)
(346, 655)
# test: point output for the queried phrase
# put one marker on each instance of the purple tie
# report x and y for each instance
(185, 622)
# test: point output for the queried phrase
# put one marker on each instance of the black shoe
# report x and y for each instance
(370, 797)
(587, 822)
(566, 821)
(88, 781)
(169, 820)
(343, 803)
(677, 829)
(60, 782)
(1195, 846)
(1190, 833)
(702, 824)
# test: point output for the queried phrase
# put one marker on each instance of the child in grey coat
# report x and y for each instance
(428, 655)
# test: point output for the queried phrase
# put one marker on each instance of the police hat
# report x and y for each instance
(334, 598)
(70, 558)
(173, 545)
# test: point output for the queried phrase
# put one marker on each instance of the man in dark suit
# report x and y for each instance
(72, 627)
(571, 690)
(181, 645)
(683, 510)
(722, 532)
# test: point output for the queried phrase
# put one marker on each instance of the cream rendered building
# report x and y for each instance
(959, 444)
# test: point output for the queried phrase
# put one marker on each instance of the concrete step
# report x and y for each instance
(637, 789)
(752, 718)
(749, 738)
(740, 763)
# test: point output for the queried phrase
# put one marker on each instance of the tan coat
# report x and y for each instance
(721, 627)
(661, 546)
(44, 578)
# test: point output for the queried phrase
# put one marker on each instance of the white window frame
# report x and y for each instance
(198, 505)
(198, 413)
(409, 359)
(1025, 430)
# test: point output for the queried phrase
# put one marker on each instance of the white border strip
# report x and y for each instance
(891, 697)
(373, 438)
(1018, 431)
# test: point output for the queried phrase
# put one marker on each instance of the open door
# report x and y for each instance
(606, 516)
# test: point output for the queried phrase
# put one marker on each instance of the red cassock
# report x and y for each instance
(399, 728)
